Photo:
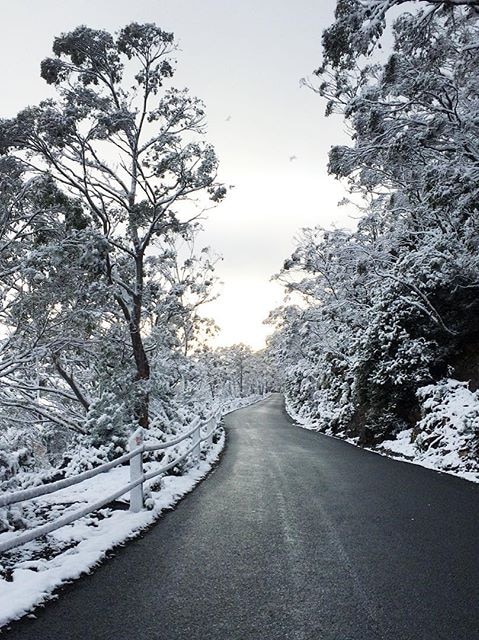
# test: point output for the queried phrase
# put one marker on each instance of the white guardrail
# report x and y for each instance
(137, 478)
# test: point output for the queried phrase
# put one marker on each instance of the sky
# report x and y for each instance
(245, 60)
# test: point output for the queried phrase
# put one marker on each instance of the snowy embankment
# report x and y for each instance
(444, 439)
(31, 573)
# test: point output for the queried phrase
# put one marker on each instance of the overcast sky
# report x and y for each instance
(245, 59)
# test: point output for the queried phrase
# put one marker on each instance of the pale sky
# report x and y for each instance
(244, 59)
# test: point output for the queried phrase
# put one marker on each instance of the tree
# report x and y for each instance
(359, 25)
(128, 153)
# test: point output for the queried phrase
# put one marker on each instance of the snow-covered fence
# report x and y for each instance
(135, 487)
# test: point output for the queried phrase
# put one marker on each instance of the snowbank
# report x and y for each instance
(445, 439)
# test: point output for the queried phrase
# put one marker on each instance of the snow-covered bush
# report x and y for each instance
(446, 407)
(446, 437)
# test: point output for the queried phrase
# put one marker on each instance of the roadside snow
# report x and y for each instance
(446, 437)
(33, 581)
(34, 571)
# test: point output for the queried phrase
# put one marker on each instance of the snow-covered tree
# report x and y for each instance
(125, 160)
(237, 371)
(359, 25)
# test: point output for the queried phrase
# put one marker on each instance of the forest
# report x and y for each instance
(379, 340)
(103, 191)
(115, 394)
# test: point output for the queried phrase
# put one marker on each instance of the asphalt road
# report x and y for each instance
(294, 536)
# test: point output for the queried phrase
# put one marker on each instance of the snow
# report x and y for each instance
(444, 439)
(82, 545)
(33, 582)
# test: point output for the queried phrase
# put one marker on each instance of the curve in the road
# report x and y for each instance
(295, 536)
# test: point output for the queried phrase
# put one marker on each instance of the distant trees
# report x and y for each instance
(237, 371)
(393, 305)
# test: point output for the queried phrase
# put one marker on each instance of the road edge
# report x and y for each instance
(309, 426)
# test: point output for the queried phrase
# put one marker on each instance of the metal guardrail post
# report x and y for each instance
(136, 471)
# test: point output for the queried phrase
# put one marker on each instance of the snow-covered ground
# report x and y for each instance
(445, 438)
(31, 573)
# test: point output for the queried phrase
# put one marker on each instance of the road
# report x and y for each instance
(294, 536)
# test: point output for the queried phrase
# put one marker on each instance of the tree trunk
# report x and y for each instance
(142, 374)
